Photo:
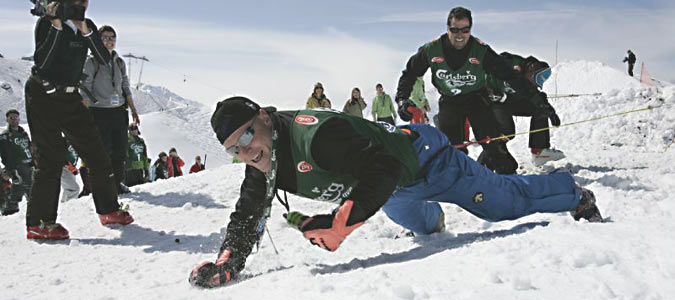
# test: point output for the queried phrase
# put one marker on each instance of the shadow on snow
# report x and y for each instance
(174, 200)
(160, 241)
(429, 245)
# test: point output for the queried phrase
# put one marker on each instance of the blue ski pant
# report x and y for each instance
(449, 175)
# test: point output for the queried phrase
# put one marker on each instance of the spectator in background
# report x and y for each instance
(17, 156)
(383, 108)
(417, 96)
(318, 99)
(109, 87)
(630, 58)
(355, 105)
(161, 167)
(69, 186)
(137, 166)
(175, 164)
(198, 166)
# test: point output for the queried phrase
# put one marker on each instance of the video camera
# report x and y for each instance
(66, 9)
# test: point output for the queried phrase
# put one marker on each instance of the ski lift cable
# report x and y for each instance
(185, 76)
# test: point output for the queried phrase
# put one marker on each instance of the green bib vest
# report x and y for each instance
(136, 158)
(468, 78)
(318, 184)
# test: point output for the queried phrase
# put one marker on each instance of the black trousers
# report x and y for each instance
(113, 124)
(451, 117)
(48, 117)
(134, 177)
(630, 70)
(504, 113)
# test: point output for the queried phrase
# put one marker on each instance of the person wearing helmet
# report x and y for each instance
(508, 103)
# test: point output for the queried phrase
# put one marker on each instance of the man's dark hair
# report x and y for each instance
(459, 13)
(107, 28)
(379, 85)
(12, 111)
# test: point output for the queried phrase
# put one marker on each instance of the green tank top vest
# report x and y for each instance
(318, 184)
(467, 79)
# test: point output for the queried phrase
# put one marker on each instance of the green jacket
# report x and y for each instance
(354, 109)
(417, 95)
(137, 153)
(383, 107)
(15, 148)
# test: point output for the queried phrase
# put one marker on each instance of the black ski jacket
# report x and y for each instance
(492, 64)
(60, 54)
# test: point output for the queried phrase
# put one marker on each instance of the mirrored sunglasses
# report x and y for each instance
(244, 140)
(458, 30)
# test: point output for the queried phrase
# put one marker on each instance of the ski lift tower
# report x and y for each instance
(140, 72)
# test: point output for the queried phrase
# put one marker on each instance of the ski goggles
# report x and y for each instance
(244, 140)
(458, 30)
(541, 77)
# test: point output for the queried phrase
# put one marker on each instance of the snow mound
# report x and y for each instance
(581, 77)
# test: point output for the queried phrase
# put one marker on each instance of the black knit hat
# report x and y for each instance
(230, 114)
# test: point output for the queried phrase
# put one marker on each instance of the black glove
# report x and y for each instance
(403, 111)
(544, 109)
(210, 275)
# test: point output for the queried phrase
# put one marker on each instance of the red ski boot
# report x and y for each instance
(119, 217)
(47, 232)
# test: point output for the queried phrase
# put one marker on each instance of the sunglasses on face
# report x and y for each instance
(458, 30)
(108, 38)
(244, 140)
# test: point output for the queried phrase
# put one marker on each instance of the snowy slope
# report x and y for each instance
(180, 222)
(147, 98)
(167, 120)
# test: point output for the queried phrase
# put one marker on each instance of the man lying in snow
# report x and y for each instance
(363, 166)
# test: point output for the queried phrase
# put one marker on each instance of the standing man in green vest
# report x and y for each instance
(383, 109)
(17, 156)
(362, 167)
(137, 166)
(459, 63)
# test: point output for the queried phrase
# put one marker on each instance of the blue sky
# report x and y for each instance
(275, 50)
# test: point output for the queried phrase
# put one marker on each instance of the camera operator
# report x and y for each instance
(53, 105)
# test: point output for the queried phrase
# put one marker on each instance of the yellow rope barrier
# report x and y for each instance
(504, 137)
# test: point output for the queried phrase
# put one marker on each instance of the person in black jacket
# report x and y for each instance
(54, 106)
(17, 156)
(459, 63)
(630, 59)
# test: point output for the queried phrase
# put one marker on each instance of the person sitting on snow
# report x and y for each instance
(198, 166)
(362, 167)
(508, 103)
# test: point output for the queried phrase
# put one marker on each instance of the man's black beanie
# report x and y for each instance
(230, 114)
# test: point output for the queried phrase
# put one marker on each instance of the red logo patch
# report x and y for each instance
(304, 167)
(306, 120)
(474, 61)
(437, 59)
(517, 68)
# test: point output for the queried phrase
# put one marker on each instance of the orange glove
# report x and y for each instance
(327, 238)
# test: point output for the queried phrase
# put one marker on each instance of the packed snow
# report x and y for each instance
(180, 222)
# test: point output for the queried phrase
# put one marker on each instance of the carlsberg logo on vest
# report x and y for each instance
(456, 80)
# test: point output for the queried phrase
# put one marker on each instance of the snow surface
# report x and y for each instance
(180, 222)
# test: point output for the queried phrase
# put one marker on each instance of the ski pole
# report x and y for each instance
(573, 95)
(488, 139)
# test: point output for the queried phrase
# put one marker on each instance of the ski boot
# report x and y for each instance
(587, 208)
